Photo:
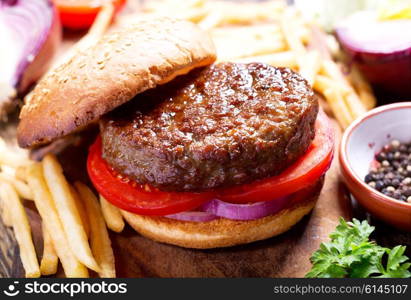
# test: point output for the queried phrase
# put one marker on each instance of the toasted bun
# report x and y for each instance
(123, 64)
(220, 232)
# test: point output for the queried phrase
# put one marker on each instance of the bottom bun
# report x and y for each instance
(221, 232)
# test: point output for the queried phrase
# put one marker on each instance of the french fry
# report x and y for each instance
(247, 13)
(5, 210)
(260, 39)
(228, 51)
(310, 66)
(363, 88)
(352, 101)
(304, 35)
(323, 83)
(21, 173)
(11, 158)
(193, 11)
(279, 59)
(355, 105)
(333, 71)
(100, 240)
(191, 14)
(318, 41)
(307, 63)
(22, 231)
(367, 97)
(258, 31)
(112, 215)
(68, 212)
(49, 261)
(211, 20)
(232, 13)
(82, 211)
(46, 208)
(21, 187)
(167, 5)
(288, 28)
(335, 99)
(230, 48)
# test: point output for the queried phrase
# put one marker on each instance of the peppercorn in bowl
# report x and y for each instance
(375, 159)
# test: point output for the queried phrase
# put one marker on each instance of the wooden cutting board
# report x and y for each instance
(284, 256)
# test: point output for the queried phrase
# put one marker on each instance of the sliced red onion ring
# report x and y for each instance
(216, 208)
(30, 33)
(244, 212)
(380, 49)
(193, 216)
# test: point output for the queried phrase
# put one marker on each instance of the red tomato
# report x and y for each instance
(133, 197)
(308, 168)
(80, 14)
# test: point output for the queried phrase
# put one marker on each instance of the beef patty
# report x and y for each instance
(224, 125)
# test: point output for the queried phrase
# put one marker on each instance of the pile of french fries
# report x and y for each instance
(74, 221)
(274, 33)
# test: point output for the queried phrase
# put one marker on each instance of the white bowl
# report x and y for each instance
(360, 143)
(375, 131)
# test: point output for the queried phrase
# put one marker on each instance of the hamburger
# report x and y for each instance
(195, 153)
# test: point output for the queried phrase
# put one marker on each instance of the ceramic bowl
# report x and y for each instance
(359, 144)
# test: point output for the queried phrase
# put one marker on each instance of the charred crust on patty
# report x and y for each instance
(220, 126)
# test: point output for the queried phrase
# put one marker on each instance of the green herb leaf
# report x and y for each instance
(351, 254)
(396, 268)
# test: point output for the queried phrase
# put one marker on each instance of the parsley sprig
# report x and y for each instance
(350, 253)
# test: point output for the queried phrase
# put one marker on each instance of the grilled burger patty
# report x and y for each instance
(223, 125)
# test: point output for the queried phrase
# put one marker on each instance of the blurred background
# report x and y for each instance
(369, 39)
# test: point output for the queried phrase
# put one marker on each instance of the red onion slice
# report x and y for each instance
(244, 212)
(364, 32)
(380, 49)
(30, 34)
(193, 216)
(216, 208)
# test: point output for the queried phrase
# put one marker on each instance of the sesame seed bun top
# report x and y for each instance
(123, 64)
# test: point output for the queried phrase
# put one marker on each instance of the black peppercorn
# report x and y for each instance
(392, 173)
(379, 185)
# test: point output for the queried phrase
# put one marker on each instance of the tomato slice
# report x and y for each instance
(80, 14)
(308, 168)
(135, 198)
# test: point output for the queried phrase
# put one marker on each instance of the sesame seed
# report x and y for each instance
(392, 176)
(390, 189)
(385, 163)
(406, 181)
(395, 143)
